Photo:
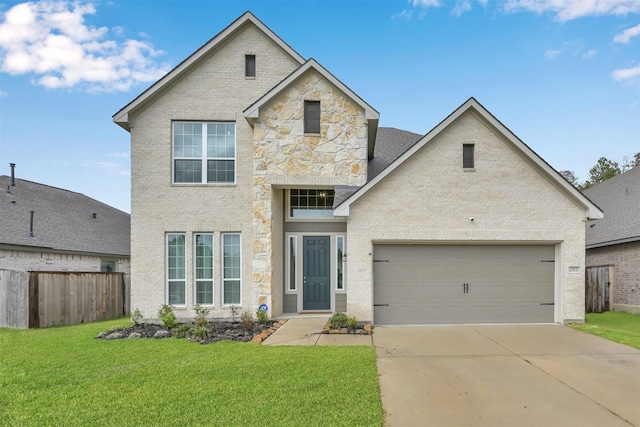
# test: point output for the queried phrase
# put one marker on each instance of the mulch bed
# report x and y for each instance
(213, 332)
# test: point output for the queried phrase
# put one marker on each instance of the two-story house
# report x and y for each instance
(258, 177)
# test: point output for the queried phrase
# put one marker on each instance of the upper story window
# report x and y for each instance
(311, 116)
(311, 203)
(204, 152)
(249, 65)
(467, 156)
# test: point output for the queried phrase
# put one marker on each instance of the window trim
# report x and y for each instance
(195, 269)
(310, 118)
(250, 59)
(224, 279)
(168, 279)
(343, 265)
(465, 156)
(289, 218)
(204, 158)
(291, 238)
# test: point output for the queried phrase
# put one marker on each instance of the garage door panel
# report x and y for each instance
(427, 284)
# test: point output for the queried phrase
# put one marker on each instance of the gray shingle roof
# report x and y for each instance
(390, 144)
(619, 198)
(63, 220)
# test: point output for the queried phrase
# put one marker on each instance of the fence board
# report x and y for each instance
(14, 299)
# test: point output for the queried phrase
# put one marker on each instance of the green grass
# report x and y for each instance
(64, 376)
(617, 326)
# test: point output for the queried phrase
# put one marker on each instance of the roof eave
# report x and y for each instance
(122, 116)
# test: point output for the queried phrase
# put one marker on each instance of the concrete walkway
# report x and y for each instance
(525, 375)
(306, 331)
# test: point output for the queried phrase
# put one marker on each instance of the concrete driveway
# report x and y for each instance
(529, 375)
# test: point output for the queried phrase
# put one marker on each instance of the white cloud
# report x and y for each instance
(552, 53)
(50, 40)
(626, 74)
(426, 3)
(461, 7)
(590, 54)
(627, 35)
(567, 10)
(3, 93)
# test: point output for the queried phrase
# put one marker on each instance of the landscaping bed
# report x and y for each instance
(213, 331)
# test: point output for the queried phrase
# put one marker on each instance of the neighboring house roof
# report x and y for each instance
(62, 221)
(122, 116)
(371, 115)
(390, 144)
(471, 105)
(619, 197)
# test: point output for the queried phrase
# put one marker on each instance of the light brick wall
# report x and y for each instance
(430, 199)
(47, 261)
(215, 90)
(626, 261)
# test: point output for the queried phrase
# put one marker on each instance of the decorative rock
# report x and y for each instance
(162, 334)
(135, 335)
(369, 328)
(103, 334)
(115, 336)
(257, 338)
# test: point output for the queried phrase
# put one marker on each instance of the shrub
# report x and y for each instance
(246, 320)
(182, 331)
(201, 315)
(262, 316)
(199, 332)
(136, 316)
(235, 310)
(341, 320)
(167, 316)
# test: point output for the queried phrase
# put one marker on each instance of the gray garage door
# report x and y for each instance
(434, 284)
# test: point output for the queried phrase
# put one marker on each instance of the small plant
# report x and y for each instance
(262, 316)
(201, 315)
(199, 332)
(182, 331)
(246, 320)
(341, 320)
(167, 316)
(136, 316)
(235, 310)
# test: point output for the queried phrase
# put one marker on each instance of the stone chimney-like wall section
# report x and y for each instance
(287, 158)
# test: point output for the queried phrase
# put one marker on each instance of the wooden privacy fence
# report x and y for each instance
(40, 299)
(598, 289)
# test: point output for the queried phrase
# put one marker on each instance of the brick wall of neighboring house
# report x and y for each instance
(509, 200)
(47, 261)
(626, 261)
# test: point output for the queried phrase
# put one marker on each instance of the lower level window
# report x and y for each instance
(203, 268)
(176, 277)
(231, 262)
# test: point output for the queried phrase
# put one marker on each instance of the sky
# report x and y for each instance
(563, 75)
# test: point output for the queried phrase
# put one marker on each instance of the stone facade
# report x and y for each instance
(285, 156)
(625, 259)
(430, 199)
(54, 261)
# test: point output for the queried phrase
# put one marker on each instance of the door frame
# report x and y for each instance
(333, 255)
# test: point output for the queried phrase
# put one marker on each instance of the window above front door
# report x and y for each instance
(310, 204)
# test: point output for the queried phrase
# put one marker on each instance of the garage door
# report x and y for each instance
(434, 284)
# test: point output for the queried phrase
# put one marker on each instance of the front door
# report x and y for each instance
(316, 286)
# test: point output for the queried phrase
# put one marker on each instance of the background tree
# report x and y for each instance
(603, 170)
(570, 176)
(630, 163)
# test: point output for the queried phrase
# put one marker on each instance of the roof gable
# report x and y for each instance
(371, 115)
(122, 116)
(62, 220)
(474, 107)
(619, 197)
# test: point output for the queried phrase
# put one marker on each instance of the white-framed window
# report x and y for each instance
(203, 268)
(176, 269)
(310, 204)
(292, 264)
(341, 259)
(231, 269)
(204, 152)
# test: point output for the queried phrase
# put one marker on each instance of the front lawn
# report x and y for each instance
(613, 325)
(64, 376)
